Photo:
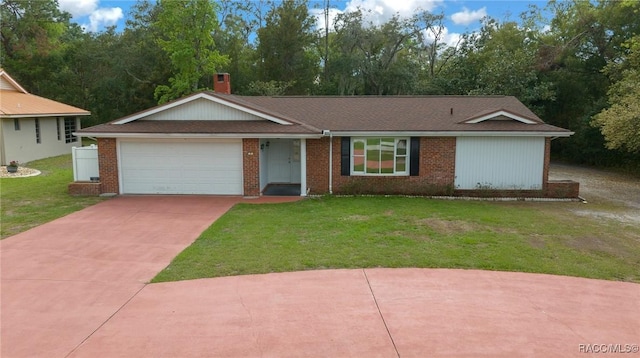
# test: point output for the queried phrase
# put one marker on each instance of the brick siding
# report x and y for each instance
(318, 166)
(108, 164)
(436, 176)
(84, 188)
(251, 166)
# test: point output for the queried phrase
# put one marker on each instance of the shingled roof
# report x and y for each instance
(313, 114)
(16, 102)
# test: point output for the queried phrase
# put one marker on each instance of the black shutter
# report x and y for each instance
(414, 153)
(345, 156)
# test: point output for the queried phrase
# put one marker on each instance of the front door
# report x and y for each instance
(284, 161)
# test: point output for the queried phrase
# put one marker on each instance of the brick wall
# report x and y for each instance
(108, 164)
(251, 166)
(318, 166)
(437, 171)
(562, 189)
(84, 188)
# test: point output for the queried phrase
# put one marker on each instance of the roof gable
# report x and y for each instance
(202, 106)
(18, 103)
(500, 115)
(9, 84)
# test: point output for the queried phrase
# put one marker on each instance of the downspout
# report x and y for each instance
(325, 133)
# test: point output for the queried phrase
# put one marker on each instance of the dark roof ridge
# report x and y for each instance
(381, 96)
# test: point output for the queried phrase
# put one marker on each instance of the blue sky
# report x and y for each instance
(461, 15)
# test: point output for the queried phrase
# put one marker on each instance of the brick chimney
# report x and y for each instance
(222, 83)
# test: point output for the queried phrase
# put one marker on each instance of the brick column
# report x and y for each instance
(108, 165)
(251, 166)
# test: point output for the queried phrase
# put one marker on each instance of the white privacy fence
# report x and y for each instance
(85, 163)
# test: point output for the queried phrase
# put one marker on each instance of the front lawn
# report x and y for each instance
(32, 201)
(358, 232)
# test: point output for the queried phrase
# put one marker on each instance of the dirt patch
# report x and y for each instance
(599, 186)
(449, 227)
(355, 218)
(537, 242)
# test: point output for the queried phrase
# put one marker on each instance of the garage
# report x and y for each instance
(509, 163)
(181, 167)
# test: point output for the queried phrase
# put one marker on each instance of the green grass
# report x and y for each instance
(32, 201)
(362, 232)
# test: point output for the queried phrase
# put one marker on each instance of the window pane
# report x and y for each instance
(401, 147)
(69, 128)
(386, 155)
(358, 164)
(401, 164)
(38, 139)
(358, 147)
(358, 155)
(373, 155)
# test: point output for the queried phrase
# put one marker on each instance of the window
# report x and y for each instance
(69, 128)
(16, 124)
(380, 156)
(38, 139)
(58, 129)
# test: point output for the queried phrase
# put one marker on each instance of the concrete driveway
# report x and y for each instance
(61, 281)
(76, 287)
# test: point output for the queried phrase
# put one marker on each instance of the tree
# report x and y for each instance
(233, 38)
(620, 123)
(500, 60)
(185, 31)
(31, 28)
(285, 47)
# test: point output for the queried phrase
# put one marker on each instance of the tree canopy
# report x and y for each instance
(578, 68)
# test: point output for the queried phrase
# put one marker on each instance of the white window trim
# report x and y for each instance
(395, 149)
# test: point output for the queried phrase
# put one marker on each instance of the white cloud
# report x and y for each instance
(380, 11)
(98, 17)
(319, 15)
(466, 17)
(103, 17)
(78, 8)
(377, 11)
(451, 39)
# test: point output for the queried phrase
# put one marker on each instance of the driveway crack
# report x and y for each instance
(380, 313)
(107, 320)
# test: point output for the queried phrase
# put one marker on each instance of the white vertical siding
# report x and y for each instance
(202, 109)
(499, 162)
(85, 162)
(6, 85)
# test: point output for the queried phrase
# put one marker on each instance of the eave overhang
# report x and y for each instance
(201, 95)
(198, 135)
(451, 133)
(45, 115)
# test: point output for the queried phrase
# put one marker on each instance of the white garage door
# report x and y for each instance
(181, 167)
(499, 162)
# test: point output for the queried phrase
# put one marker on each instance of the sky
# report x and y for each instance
(460, 15)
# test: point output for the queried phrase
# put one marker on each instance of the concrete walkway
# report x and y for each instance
(76, 288)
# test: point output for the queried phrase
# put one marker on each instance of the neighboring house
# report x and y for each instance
(218, 143)
(33, 127)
